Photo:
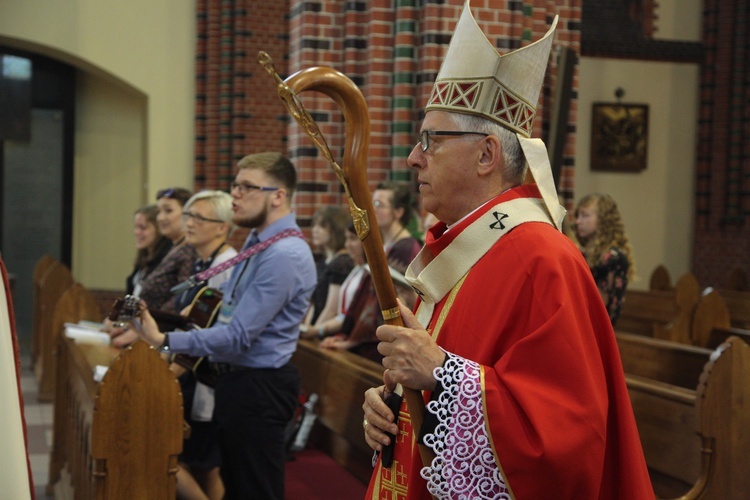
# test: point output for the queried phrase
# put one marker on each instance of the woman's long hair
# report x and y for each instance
(610, 231)
(147, 258)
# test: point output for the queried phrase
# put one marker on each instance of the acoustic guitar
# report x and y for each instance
(202, 314)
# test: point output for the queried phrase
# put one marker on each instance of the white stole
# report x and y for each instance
(433, 277)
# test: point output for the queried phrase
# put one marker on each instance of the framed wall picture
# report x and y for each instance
(619, 137)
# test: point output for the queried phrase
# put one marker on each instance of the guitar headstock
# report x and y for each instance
(124, 310)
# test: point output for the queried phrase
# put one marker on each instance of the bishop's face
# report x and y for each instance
(446, 172)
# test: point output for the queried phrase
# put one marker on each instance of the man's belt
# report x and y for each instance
(224, 368)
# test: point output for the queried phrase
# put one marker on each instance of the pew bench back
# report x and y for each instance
(692, 409)
(340, 379)
(664, 314)
(738, 304)
(119, 438)
(54, 282)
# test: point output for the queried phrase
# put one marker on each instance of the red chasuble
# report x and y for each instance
(534, 404)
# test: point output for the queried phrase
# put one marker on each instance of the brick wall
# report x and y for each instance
(237, 111)
(391, 49)
(722, 217)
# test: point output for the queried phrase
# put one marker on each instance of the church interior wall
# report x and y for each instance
(135, 105)
(136, 114)
(110, 178)
(657, 204)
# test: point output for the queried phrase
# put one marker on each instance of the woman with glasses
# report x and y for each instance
(208, 224)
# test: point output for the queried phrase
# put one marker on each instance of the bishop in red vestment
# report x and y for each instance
(533, 401)
(510, 341)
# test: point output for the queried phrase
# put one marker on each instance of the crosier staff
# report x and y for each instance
(353, 177)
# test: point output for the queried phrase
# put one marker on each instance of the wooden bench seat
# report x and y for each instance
(663, 314)
(692, 408)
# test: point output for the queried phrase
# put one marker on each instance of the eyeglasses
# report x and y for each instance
(379, 204)
(199, 219)
(424, 137)
(244, 187)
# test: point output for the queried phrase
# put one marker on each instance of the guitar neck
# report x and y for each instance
(168, 321)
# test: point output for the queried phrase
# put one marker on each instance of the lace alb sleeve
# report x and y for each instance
(464, 465)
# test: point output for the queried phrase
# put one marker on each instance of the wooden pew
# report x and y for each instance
(692, 408)
(73, 305)
(340, 379)
(119, 438)
(40, 269)
(738, 304)
(53, 284)
(660, 279)
(663, 314)
(712, 323)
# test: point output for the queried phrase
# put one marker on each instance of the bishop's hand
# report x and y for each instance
(410, 353)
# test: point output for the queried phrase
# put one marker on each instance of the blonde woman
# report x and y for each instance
(605, 246)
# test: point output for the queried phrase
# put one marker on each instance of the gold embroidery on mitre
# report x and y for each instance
(475, 79)
(512, 110)
(504, 106)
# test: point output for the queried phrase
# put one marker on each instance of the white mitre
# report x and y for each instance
(474, 79)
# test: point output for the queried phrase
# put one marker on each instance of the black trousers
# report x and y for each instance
(253, 408)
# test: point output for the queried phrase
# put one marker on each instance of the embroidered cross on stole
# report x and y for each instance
(434, 276)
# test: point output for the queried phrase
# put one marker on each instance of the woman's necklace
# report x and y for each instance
(395, 238)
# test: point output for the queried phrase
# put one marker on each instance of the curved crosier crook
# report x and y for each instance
(353, 177)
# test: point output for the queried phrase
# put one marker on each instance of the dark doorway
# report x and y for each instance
(36, 179)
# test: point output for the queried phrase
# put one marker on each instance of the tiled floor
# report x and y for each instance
(38, 424)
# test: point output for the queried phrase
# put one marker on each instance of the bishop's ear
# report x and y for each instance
(491, 158)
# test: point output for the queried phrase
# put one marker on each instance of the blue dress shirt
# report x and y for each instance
(265, 300)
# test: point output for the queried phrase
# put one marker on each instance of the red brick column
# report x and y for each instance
(393, 51)
(722, 232)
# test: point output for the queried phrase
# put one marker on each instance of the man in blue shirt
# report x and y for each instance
(256, 333)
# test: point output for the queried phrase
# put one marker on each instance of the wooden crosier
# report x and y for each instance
(353, 177)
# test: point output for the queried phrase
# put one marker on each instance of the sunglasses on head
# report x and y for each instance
(164, 193)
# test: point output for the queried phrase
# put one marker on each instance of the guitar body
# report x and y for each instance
(203, 313)
(205, 307)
